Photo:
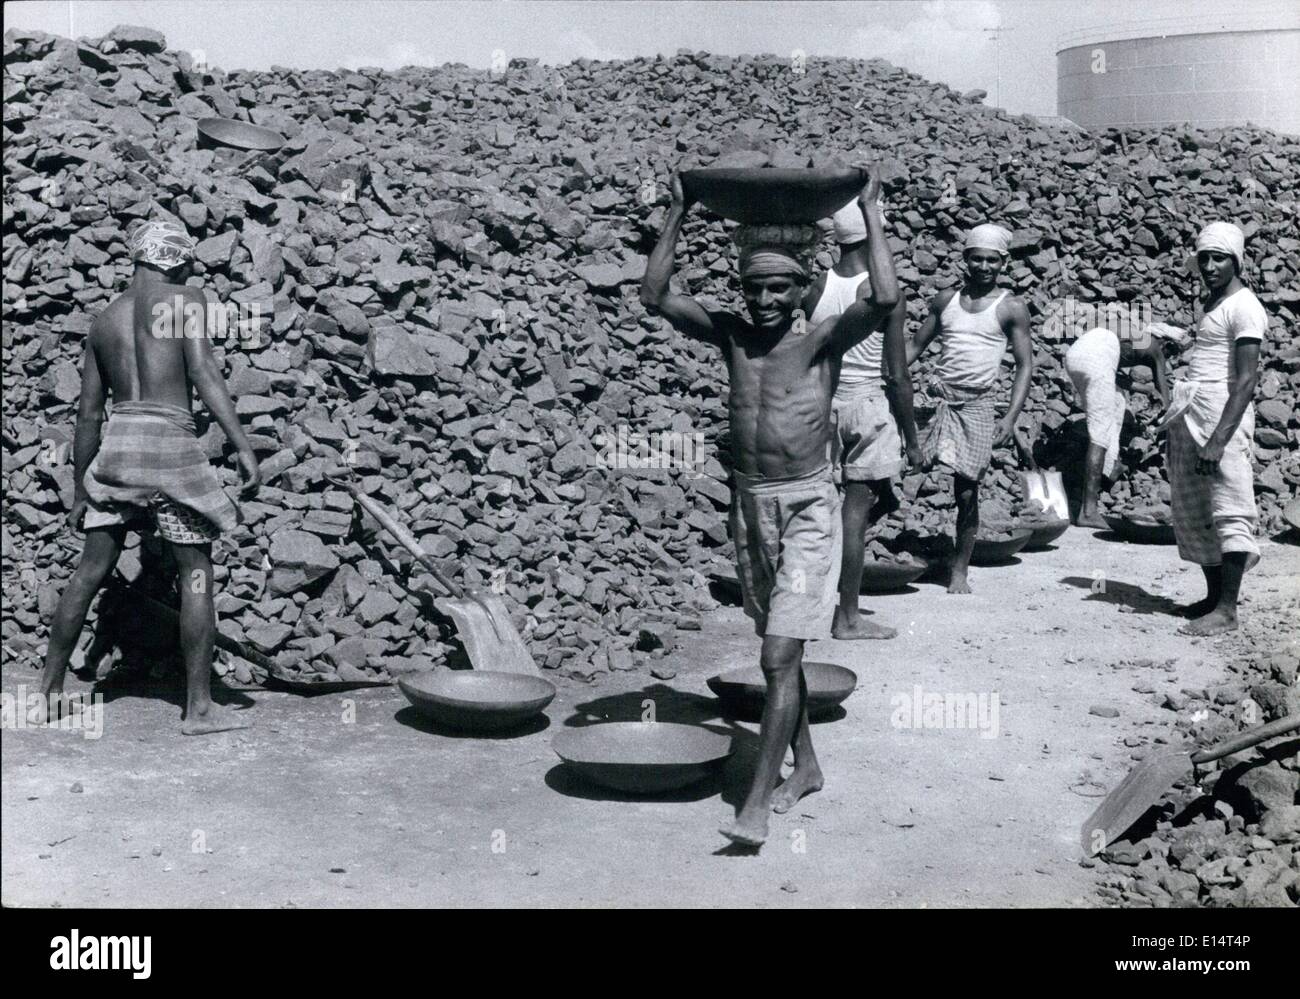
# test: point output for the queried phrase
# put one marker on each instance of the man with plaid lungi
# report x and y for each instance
(1211, 432)
(973, 326)
(149, 351)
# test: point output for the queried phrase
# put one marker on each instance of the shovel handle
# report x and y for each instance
(222, 641)
(1248, 738)
(403, 537)
(1022, 445)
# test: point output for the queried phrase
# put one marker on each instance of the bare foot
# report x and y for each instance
(957, 583)
(848, 629)
(38, 706)
(1198, 609)
(1215, 623)
(49, 707)
(747, 831)
(1091, 520)
(214, 719)
(794, 787)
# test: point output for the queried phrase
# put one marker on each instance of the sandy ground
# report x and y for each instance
(352, 799)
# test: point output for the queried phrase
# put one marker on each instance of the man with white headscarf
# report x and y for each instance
(148, 351)
(1093, 363)
(1211, 432)
(973, 325)
(873, 401)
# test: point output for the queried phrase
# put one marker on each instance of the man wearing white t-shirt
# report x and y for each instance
(1211, 425)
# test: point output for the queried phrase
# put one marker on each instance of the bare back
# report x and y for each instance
(139, 344)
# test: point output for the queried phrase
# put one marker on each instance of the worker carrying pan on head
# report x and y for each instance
(1093, 362)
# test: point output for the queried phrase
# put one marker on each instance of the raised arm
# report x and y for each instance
(684, 312)
(1015, 320)
(930, 328)
(90, 423)
(857, 322)
(898, 380)
(1240, 392)
(205, 376)
(880, 261)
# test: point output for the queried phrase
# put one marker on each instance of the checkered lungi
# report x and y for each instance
(1212, 514)
(960, 435)
(150, 461)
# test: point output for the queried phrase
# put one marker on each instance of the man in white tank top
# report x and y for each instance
(1211, 427)
(873, 400)
(973, 326)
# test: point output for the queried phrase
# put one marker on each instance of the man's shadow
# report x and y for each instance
(145, 652)
(1130, 595)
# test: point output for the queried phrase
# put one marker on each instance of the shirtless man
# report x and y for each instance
(873, 401)
(785, 517)
(1093, 362)
(149, 350)
(973, 327)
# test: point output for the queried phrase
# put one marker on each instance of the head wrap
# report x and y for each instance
(1226, 238)
(848, 224)
(1180, 338)
(775, 249)
(161, 242)
(988, 237)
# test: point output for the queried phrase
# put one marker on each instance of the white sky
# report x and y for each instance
(945, 40)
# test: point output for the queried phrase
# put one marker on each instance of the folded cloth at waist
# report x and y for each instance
(854, 391)
(787, 532)
(1200, 405)
(778, 483)
(960, 434)
(150, 448)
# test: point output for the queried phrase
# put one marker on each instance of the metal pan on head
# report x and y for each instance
(778, 195)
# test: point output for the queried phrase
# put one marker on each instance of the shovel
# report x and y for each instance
(1044, 488)
(1150, 779)
(491, 641)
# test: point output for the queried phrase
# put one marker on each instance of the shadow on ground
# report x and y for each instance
(1130, 595)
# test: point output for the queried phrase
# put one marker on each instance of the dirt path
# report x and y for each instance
(317, 807)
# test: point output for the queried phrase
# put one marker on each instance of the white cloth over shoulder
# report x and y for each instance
(1199, 397)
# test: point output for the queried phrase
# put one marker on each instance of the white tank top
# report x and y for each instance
(971, 344)
(862, 362)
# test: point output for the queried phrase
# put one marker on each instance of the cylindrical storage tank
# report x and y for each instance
(1247, 72)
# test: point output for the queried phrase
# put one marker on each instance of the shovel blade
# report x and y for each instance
(1145, 785)
(1048, 491)
(490, 638)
